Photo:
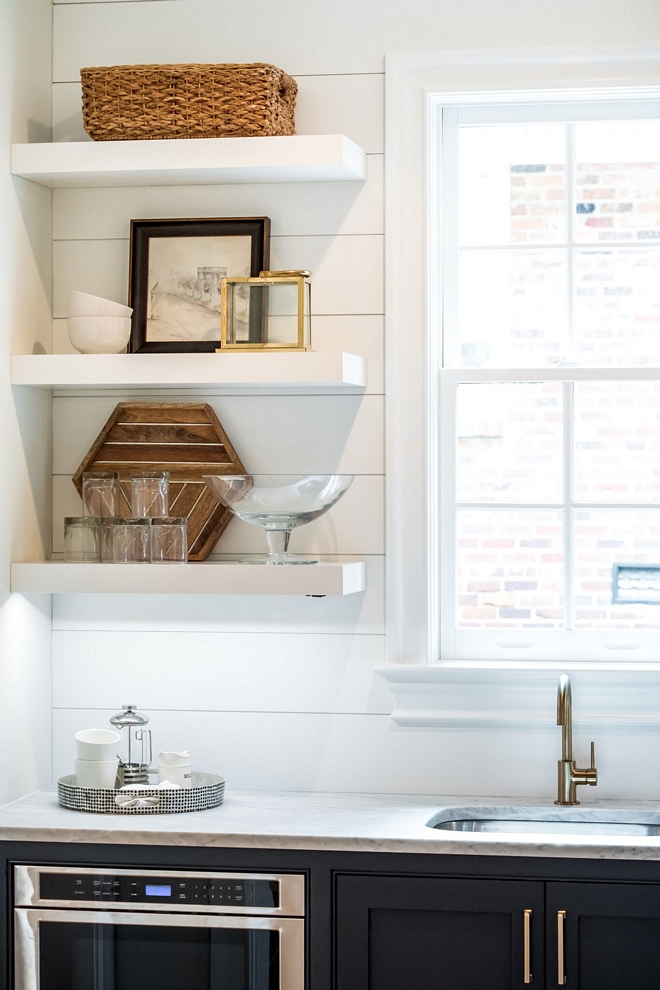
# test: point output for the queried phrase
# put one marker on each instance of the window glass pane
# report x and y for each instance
(511, 308)
(617, 307)
(617, 442)
(602, 538)
(512, 184)
(615, 199)
(509, 443)
(509, 569)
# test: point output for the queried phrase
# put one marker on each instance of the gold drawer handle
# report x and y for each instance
(561, 972)
(527, 946)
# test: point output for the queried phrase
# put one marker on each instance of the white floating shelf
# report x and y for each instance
(209, 578)
(208, 161)
(332, 372)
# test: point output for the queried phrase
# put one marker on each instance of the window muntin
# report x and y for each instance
(550, 481)
(560, 232)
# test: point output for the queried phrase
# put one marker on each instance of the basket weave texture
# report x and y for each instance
(151, 102)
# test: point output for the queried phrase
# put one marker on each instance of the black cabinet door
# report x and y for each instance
(399, 933)
(611, 936)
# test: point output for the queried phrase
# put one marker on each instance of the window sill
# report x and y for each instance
(517, 695)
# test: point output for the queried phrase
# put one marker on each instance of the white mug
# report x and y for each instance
(175, 768)
(97, 744)
(96, 773)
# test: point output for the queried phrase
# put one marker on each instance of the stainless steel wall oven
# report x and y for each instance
(102, 929)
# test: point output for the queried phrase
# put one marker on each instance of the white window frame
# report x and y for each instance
(416, 84)
(503, 644)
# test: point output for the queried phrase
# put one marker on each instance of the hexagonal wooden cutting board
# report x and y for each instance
(184, 438)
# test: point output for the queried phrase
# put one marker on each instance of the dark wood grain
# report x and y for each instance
(163, 412)
(181, 453)
(185, 439)
(164, 433)
(213, 524)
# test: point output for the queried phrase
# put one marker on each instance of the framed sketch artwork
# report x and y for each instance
(176, 271)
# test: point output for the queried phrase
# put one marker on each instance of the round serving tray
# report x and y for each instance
(207, 791)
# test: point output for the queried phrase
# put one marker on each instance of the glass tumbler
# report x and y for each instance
(150, 494)
(107, 531)
(82, 539)
(131, 541)
(169, 540)
(100, 493)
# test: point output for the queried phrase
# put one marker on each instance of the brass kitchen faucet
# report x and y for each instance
(569, 775)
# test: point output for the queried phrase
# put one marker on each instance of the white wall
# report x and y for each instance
(281, 694)
(25, 449)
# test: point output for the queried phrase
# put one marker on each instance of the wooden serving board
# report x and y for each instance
(184, 438)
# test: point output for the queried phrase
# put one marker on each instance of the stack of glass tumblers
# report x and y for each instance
(150, 535)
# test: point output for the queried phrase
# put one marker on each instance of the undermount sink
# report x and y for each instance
(525, 827)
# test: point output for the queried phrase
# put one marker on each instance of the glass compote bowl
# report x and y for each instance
(278, 503)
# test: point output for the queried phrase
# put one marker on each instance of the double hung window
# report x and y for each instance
(549, 233)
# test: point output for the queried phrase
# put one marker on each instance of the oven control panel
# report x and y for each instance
(126, 889)
(159, 890)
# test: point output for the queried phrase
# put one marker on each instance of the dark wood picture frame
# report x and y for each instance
(258, 228)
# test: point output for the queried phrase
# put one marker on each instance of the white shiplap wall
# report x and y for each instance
(280, 694)
(293, 675)
(25, 448)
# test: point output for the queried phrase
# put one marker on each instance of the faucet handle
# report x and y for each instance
(578, 776)
(592, 773)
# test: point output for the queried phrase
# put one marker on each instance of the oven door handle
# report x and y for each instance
(27, 921)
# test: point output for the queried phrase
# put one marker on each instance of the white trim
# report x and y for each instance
(415, 83)
(460, 376)
(509, 697)
(603, 94)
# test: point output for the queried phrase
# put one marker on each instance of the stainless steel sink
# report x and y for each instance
(511, 826)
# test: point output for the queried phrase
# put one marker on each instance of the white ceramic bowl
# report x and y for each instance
(96, 773)
(99, 334)
(82, 304)
(97, 744)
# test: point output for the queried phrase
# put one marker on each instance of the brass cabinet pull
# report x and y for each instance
(561, 972)
(527, 946)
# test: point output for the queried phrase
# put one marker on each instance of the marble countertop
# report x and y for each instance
(347, 822)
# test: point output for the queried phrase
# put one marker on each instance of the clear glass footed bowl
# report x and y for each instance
(278, 503)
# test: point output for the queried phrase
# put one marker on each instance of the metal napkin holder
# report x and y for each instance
(207, 791)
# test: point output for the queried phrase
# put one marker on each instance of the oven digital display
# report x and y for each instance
(153, 890)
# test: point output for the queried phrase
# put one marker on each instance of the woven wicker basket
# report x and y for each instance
(147, 102)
